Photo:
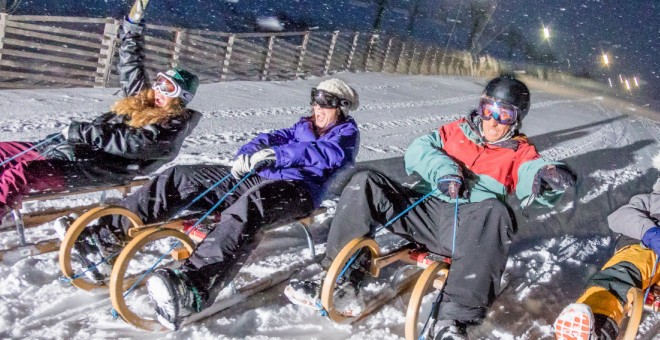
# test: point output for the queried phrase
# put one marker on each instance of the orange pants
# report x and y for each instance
(631, 266)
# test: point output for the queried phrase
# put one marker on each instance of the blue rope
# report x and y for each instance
(178, 243)
(29, 149)
(203, 194)
(648, 289)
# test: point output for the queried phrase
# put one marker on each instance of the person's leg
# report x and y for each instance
(607, 290)
(600, 309)
(218, 258)
(368, 201)
(13, 181)
(482, 240)
(173, 189)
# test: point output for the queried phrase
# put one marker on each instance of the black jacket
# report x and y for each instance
(110, 144)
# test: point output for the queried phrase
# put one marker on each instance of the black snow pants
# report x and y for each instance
(482, 240)
(256, 203)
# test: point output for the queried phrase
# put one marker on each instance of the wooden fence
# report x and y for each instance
(47, 51)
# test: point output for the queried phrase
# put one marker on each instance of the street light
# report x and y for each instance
(546, 33)
(606, 60)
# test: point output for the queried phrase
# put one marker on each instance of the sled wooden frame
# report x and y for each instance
(633, 310)
(24, 221)
(140, 235)
(434, 275)
(117, 280)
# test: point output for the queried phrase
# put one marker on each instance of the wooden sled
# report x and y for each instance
(636, 306)
(434, 275)
(141, 235)
(25, 220)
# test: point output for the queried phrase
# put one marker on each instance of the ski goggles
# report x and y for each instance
(327, 100)
(504, 114)
(166, 85)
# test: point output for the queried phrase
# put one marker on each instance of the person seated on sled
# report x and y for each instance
(485, 157)
(293, 168)
(598, 313)
(142, 132)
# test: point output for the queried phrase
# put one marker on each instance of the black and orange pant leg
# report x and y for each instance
(631, 266)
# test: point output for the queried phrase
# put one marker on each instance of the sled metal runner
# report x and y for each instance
(22, 221)
(434, 276)
(140, 235)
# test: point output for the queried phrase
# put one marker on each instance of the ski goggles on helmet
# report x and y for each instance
(327, 100)
(166, 85)
(503, 113)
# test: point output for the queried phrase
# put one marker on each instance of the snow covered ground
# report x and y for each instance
(609, 143)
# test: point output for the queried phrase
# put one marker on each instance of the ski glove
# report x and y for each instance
(651, 239)
(452, 186)
(262, 159)
(552, 177)
(241, 166)
(257, 161)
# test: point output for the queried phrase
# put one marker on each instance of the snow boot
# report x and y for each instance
(347, 298)
(95, 249)
(174, 295)
(450, 330)
(577, 322)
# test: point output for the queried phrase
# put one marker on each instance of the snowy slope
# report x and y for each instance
(609, 144)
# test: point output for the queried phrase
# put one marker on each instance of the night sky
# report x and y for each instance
(580, 30)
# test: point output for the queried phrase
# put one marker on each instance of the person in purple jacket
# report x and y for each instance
(292, 169)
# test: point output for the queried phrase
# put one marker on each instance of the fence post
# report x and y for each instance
(225, 62)
(434, 62)
(370, 49)
(349, 61)
(269, 55)
(3, 23)
(331, 49)
(108, 43)
(424, 60)
(398, 59)
(412, 58)
(301, 57)
(178, 40)
(387, 54)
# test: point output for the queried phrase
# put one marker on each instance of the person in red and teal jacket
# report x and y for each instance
(477, 160)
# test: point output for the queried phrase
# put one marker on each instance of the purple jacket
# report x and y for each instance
(303, 156)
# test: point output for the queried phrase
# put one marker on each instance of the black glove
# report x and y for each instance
(553, 177)
(452, 186)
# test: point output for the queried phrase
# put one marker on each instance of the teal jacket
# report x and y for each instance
(491, 170)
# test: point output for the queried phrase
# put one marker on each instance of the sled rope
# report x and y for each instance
(29, 149)
(88, 268)
(350, 262)
(202, 195)
(648, 289)
(114, 312)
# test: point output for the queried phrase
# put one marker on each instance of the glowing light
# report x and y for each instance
(546, 32)
(606, 60)
(636, 81)
(627, 85)
(621, 79)
(609, 80)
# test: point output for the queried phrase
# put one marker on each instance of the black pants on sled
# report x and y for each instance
(256, 203)
(482, 240)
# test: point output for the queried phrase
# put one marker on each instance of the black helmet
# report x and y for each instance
(511, 91)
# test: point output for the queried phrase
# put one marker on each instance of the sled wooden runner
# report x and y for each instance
(434, 276)
(118, 283)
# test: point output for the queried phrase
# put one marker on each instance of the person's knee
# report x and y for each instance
(363, 178)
